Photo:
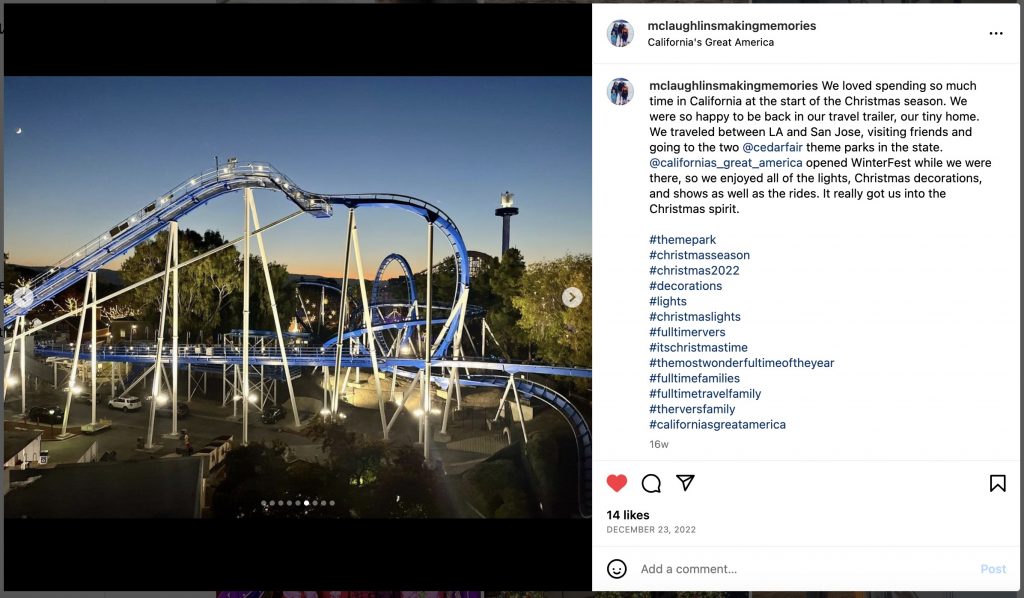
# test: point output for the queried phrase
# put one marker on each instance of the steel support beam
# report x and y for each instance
(342, 310)
(370, 336)
(172, 233)
(245, 321)
(90, 282)
(273, 304)
(427, 354)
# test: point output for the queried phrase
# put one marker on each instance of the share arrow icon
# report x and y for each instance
(686, 479)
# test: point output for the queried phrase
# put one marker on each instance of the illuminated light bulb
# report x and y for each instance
(418, 413)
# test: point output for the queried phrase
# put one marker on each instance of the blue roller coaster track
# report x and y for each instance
(192, 193)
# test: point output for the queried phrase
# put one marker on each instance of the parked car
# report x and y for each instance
(272, 414)
(53, 414)
(166, 411)
(125, 404)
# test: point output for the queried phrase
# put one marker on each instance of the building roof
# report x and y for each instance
(148, 489)
(16, 440)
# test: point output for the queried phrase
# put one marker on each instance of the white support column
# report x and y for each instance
(457, 343)
(172, 232)
(405, 399)
(448, 400)
(504, 396)
(21, 358)
(342, 311)
(89, 282)
(426, 345)
(19, 322)
(344, 389)
(519, 406)
(327, 381)
(174, 331)
(370, 336)
(92, 360)
(245, 322)
(273, 305)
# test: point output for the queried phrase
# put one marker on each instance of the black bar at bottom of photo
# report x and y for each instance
(175, 554)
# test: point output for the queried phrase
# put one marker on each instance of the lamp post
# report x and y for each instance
(131, 336)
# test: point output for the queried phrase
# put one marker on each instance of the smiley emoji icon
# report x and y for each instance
(616, 569)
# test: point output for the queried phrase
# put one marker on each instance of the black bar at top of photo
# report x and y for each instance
(298, 554)
(297, 39)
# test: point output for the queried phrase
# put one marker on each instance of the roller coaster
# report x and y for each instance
(412, 352)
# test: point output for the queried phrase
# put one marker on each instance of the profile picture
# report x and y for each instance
(620, 33)
(620, 91)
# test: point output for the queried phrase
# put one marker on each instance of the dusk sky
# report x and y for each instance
(93, 150)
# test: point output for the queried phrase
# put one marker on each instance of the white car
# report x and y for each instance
(125, 404)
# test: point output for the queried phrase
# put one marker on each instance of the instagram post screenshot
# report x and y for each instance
(567, 300)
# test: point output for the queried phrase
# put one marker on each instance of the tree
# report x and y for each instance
(203, 288)
(503, 282)
(261, 317)
(257, 471)
(442, 282)
(378, 479)
(561, 334)
(208, 290)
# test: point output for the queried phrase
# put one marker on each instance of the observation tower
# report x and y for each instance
(506, 211)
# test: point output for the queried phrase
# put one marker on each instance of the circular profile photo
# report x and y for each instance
(620, 91)
(620, 33)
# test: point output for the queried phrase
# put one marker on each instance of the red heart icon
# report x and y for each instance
(616, 482)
